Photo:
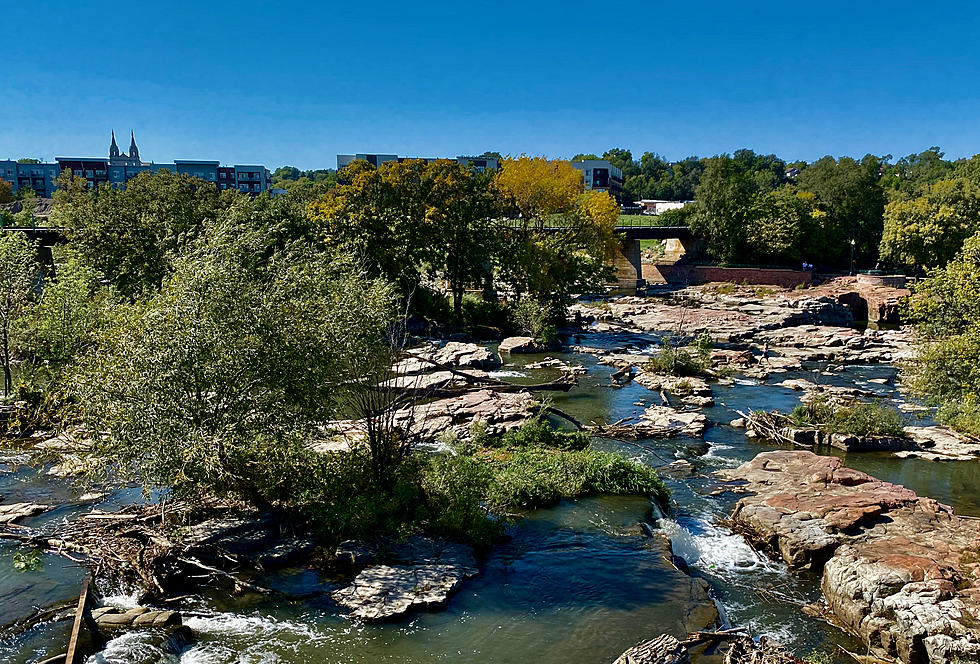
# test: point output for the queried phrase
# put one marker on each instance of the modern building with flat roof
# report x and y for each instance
(477, 163)
(601, 175)
(120, 168)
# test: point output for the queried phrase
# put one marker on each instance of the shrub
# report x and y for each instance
(963, 416)
(675, 361)
(858, 418)
(530, 478)
(488, 313)
(538, 433)
(455, 486)
(537, 319)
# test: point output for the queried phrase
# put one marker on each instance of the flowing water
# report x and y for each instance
(575, 583)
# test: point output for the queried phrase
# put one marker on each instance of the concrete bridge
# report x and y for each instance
(627, 262)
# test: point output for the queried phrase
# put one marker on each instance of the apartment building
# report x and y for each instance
(119, 168)
(476, 163)
(601, 175)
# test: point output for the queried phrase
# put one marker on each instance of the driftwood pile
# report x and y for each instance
(137, 547)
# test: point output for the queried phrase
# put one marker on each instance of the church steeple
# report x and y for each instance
(113, 149)
(134, 152)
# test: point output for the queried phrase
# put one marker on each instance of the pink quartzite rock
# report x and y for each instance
(899, 570)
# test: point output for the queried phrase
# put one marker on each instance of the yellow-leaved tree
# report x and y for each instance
(559, 236)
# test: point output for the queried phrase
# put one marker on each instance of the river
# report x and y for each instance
(574, 583)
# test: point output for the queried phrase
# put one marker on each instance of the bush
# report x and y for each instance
(963, 416)
(537, 319)
(858, 418)
(455, 486)
(675, 361)
(537, 433)
(530, 477)
(488, 313)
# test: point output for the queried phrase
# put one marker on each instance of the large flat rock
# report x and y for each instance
(899, 570)
(418, 574)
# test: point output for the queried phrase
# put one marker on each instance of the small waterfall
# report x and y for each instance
(714, 550)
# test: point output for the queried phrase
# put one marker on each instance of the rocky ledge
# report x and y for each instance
(899, 570)
(418, 574)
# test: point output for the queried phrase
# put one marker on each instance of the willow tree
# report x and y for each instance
(214, 384)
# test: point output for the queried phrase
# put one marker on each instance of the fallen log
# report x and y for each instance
(562, 384)
(702, 636)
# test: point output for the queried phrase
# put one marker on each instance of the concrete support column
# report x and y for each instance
(627, 264)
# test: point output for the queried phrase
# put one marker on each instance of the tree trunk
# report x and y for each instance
(458, 302)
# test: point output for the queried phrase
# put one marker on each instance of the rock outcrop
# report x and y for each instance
(689, 423)
(15, 511)
(500, 411)
(899, 570)
(455, 354)
(419, 574)
(518, 345)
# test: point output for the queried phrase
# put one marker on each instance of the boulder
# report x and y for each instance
(455, 354)
(429, 573)
(689, 423)
(15, 511)
(518, 345)
(942, 443)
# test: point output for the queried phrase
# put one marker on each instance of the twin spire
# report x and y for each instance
(134, 152)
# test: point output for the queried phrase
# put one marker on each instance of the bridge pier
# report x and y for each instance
(628, 265)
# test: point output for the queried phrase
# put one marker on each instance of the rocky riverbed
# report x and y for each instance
(581, 581)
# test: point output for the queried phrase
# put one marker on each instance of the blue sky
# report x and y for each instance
(296, 83)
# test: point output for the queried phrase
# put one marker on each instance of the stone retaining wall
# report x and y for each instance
(889, 280)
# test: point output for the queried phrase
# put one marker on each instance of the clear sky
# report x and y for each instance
(297, 82)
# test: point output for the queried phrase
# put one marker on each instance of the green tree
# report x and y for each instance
(848, 191)
(927, 231)
(214, 384)
(25, 193)
(946, 367)
(72, 305)
(786, 228)
(129, 235)
(18, 269)
(724, 207)
(462, 211)
(910, 174)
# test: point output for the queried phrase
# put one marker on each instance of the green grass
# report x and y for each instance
(858, 418)
(491, 479)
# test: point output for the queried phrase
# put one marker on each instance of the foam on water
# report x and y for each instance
(716, 454)
(233, 624)
(121, 601)
(507, 373)
(715, 550)
(130, 647)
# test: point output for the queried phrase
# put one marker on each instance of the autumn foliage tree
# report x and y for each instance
(560, 235)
